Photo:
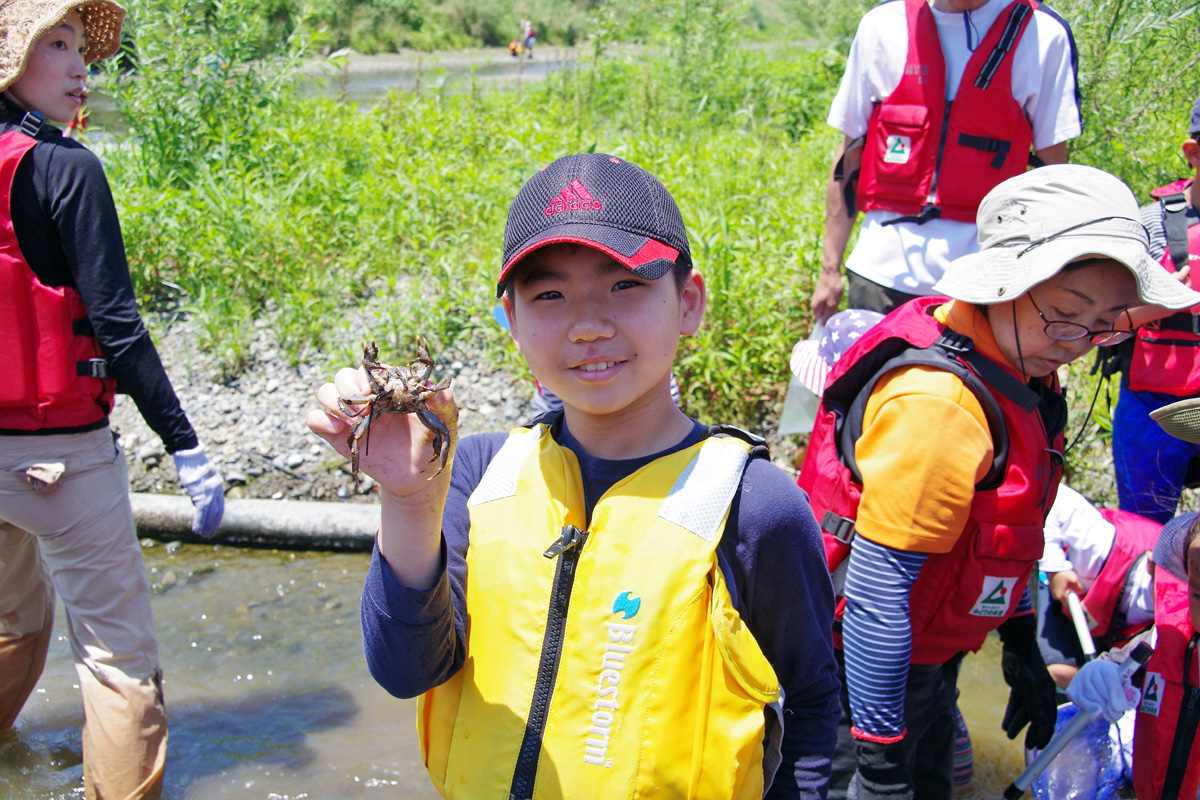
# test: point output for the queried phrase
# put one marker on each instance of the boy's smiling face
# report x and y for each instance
(55, 78)
(597, 335)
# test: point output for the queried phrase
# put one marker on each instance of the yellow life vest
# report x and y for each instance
(609, 663)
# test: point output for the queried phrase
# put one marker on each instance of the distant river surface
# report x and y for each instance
(364, 80)
(269, 697)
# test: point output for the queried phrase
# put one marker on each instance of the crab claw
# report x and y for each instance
(445, 436)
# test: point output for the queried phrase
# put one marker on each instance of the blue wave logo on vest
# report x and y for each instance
(627, 605)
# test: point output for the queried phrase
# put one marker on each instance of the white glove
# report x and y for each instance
(204, 485)
(1099, 690)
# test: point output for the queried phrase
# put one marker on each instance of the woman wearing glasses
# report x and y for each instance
(936, 456)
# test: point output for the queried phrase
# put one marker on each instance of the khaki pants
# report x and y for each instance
(77, 539)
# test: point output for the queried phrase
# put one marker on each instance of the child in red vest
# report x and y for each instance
(1103, 556)
(1165, 762)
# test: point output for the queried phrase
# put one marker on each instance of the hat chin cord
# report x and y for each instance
(1017, 336)
(1086, 417)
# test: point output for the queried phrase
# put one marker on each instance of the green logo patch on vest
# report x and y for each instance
(995, 598)
(1152, 693)
(899, 149)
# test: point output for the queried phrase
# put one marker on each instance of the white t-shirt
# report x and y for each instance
(909, 257)
(1079, 538)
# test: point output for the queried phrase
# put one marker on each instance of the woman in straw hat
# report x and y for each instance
(70, 332)
(934, 473)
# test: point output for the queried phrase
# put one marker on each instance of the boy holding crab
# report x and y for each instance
(617, 599)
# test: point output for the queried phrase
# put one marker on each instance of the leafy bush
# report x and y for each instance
(242, 199)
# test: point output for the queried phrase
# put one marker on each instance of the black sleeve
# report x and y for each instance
(66, 224)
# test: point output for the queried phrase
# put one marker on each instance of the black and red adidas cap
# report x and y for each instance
(602, 202)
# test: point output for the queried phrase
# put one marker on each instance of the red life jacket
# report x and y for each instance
(48, 353)
(962, 595)
(1135, 538)
(1163, 694)
(927, 156)
(1166, 353)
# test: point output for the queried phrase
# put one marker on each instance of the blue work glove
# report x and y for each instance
(204, 485)
(1031, 699)
(1099, 690)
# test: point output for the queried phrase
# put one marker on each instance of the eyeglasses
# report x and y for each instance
(1072, 331)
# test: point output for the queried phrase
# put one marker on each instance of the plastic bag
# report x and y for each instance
(1094, 766)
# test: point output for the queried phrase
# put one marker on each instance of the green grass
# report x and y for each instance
(240, 200)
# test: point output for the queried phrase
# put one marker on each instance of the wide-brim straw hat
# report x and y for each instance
(1032, 225)
(23, 22)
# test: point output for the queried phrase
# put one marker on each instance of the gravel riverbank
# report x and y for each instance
(253, 425)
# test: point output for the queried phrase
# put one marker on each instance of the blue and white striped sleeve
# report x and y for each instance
(877, 636)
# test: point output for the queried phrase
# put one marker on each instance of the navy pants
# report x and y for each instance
(1150, 464)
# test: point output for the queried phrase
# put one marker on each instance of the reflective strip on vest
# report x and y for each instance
(649, 641)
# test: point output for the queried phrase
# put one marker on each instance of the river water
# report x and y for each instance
(269, 696)
(364, 79)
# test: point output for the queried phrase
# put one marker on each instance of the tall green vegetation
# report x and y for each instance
(246, 202)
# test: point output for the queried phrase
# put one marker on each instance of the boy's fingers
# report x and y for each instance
(350, 383)
(330, 428)
(442, 404)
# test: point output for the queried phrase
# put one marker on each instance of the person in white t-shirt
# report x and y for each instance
(1104, 558)
(894, 261)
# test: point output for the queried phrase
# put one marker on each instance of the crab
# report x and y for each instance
(399, 390)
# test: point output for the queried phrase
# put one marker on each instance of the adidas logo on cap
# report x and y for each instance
(573, 197)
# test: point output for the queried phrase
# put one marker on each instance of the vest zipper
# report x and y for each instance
(569, 545)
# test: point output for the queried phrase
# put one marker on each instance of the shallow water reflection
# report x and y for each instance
(267, 690)
(269, 696)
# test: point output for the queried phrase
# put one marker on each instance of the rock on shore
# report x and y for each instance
(253, 425)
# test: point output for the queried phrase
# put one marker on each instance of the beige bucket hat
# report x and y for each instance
(1030, 226)
(1180, 419)
(22, 23)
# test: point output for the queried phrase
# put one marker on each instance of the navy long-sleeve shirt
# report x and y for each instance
(66, 224)
(770, 552)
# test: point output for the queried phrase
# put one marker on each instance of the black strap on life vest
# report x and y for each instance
(928, 213)
(1007, 39)
(947, 353)
(1185, 728)
(850, 184)
(1174, 217)
(987, 144)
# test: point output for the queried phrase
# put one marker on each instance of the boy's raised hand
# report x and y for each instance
(396, 451)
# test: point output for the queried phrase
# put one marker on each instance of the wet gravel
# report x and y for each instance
(253, 429)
